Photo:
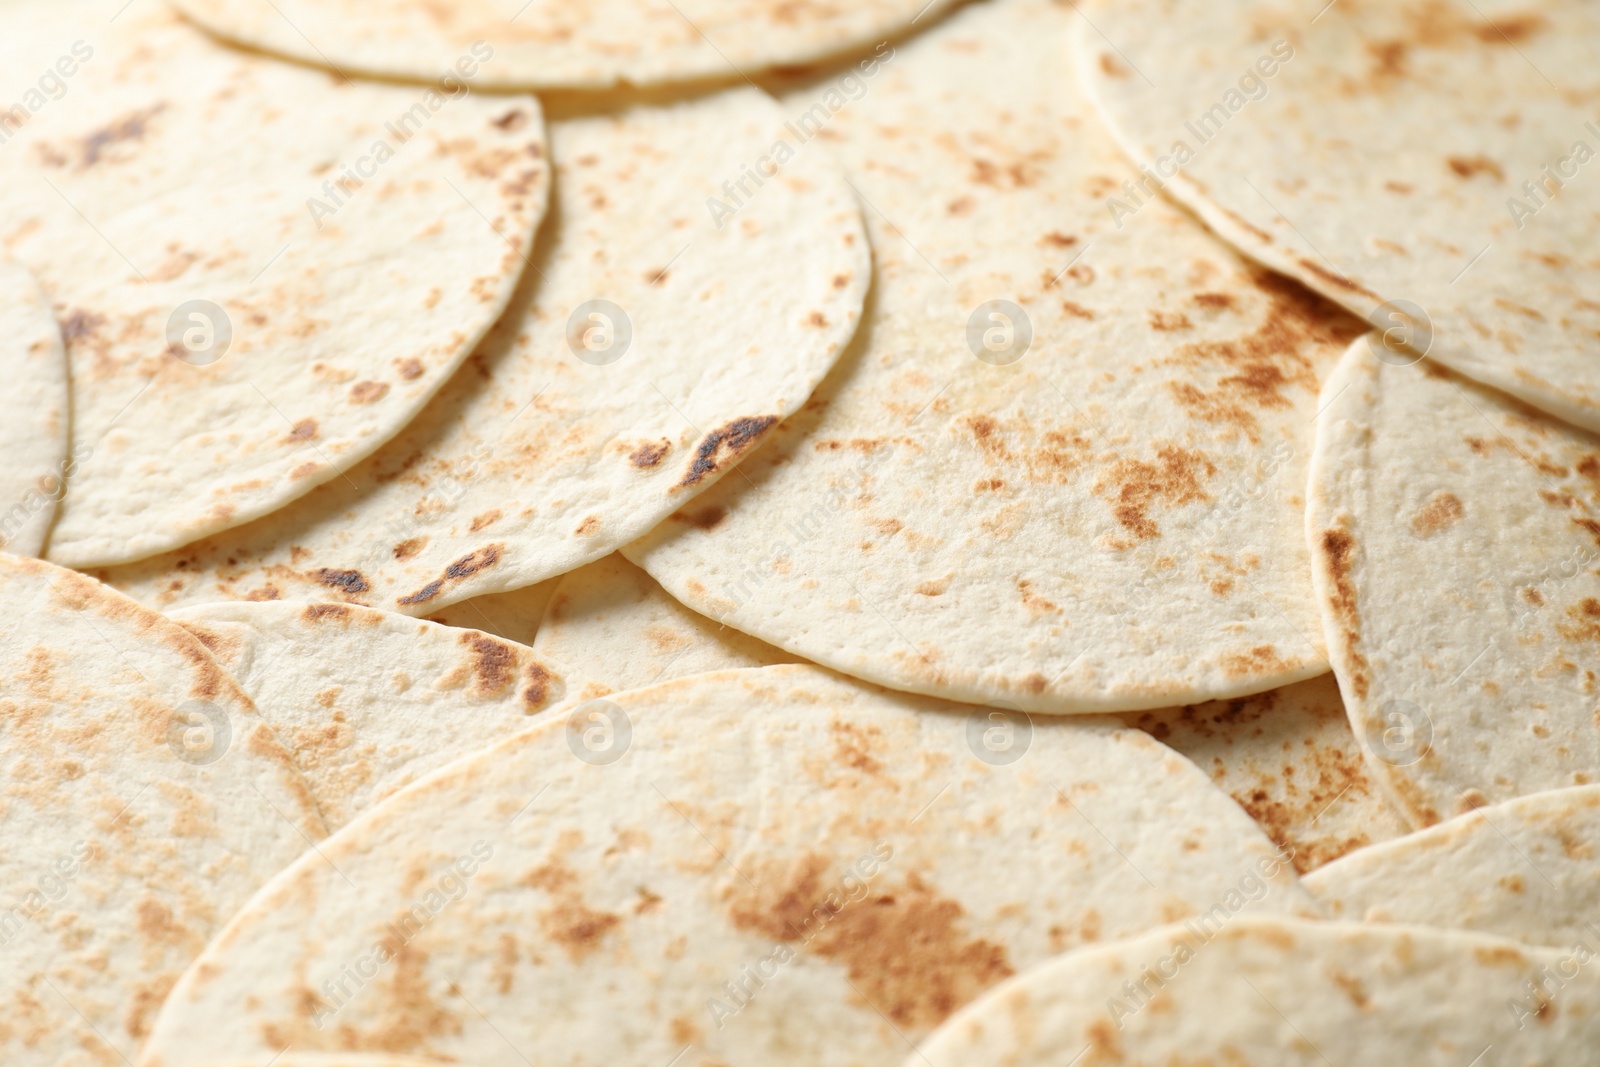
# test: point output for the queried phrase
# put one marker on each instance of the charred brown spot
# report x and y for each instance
(537, 690)
(1442, 511)
(349, 581)
(493, 662)
(1134, 486)
(649, 454)
(1338, 555)
(1168, 321)
(1512, 29)
(304, 430)
(78, 325)
(410, 547)
(464, 567)
(1467, 166)
(368, 392)
(732, 438)
(410, 369)
(318, 612)
(128, 128)
(511, 121)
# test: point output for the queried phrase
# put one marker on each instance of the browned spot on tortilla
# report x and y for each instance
(488, 518)
(79, 324)
(1467, 166)
(346, 580)
(1336, 557)
(816, 318)
(1167, 321)
(1510, 29)
(1258, 661)
(367, 392)
(409, 547)
(1388, 59)
(1442, 511)
(493, 663)
(1112, 68)
(1072, 307)
(1134, 486)
(1586, 621)
(569, 922)
(305, 470)
(904, 948)
(853, 745)
(511, 121)
(467, 565)
(589, 525)
(318, 612)
(537, 690)
(733, 438)
(1533, 596)
(1399, 187)
(304, 430)
(841, 280)
(1591, 526)
(130, 127)
(1216, 301)
(649, 454)
(410, 369)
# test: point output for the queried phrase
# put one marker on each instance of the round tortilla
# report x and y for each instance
(1110, 522)
(1288, 757)
(534, 461)
(1398, 150)
(33, 413)
(251, 302)
(366, 701)
(611, 627)
(1281, 991)
(779, 828)
(145, 801)
(1524, 868)
(1455, 535)
(551, 44)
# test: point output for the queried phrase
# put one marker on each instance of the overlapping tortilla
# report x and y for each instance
(770, 866)
(611, 627)
(551, 44)
(1288, 757)
(145, 800)
(1524, 868)
(1422, 163)
(34, 462)
(366, 701)
(1456, 543)
(514, 616)
(1088, 500)
(1282, 991)
(654, 343)
(261, 272)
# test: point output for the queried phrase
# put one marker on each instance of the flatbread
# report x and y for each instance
(1290, 760)
(1455, 535)
(551, 44)
(697, 844)
(535, 461)
(1524, 868)
(1110, 522)
(1281, 991)
(240, 325)
(514, 616)
(366, 701)
(1396, 153)
(145, 801)
(33, 413)
(612, 627)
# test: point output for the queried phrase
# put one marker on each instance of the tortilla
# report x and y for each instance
(612, 627)
(145, 801)
(368, 702)
(1524, 868)
(777, 827)
(695, 340)
(1288, 757)
(1281, 991)
(514, 616)
(1455, 536)
(33, 413)
(1406, 152)
(243, 319)
(549, 44)
(1110, 522)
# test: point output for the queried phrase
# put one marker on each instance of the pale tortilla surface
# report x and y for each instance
(33, 412)
(553, 44)
(172, 170)
(843, 841)
(515, 615)
(118, 859)
(612, 627)
(367, 701)
(533, 461)
(1290, 760)
(1397, 154)
(1110, 523)
(1456, 543)
(1523, 868)
(1282, 991)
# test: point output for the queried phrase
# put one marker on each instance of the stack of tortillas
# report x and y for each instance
(745, 534)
